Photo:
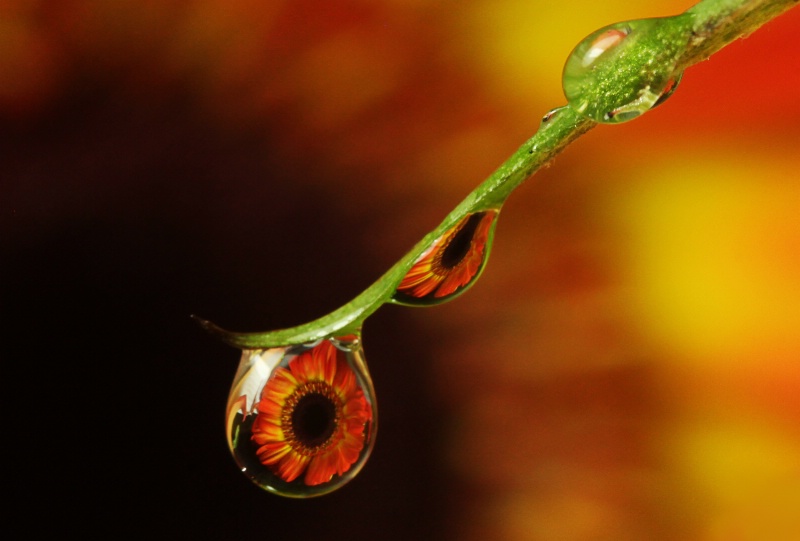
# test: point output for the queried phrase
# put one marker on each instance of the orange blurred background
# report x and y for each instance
(628, 366)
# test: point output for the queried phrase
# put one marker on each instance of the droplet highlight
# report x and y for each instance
(604, 42)
(623, 70)
(452, 263)
(301, 420)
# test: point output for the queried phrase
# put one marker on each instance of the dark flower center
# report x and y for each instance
(458, 246)
(313, 420)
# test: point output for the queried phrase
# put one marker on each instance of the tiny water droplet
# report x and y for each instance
(452, 263)
(545, 122)
(301, 419)
(607, 78)
(548, 116)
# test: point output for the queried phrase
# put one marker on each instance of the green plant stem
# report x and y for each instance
(714, 24)
(720, 22)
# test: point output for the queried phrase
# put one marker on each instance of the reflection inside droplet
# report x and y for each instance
(452, 263)
(635, 108)
(669, 89)
(301, 419)
(602, 43)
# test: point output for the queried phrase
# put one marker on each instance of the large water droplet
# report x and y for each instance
(625, 69)
(301, 419)
(452, 263)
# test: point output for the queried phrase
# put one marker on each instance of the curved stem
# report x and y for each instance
(680, 42)
(720, 22)
(555, 135)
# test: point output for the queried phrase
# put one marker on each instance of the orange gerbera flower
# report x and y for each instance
(312, 417)
(452, 262)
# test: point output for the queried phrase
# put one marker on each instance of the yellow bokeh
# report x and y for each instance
(744, 479)
(713, 254)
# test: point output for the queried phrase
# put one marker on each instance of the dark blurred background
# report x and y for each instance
(626, 368)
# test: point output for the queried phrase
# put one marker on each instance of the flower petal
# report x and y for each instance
(321, 469)
(292, 466)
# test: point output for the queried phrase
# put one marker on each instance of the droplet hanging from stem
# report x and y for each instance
(452, 263)
(301, 419)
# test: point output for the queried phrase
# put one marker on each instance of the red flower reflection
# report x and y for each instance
(312, 417)
(453, 260)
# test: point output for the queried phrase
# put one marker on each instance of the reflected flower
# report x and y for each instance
(452, 262)
(312, 417)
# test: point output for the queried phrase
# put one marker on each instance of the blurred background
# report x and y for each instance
(627, 368)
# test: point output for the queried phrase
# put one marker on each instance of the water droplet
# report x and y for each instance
(301, 419)
(452, 263)
(608, 78)
(548, 116)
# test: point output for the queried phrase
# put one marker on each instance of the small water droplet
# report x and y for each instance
(452, 263)
(301, 420)
(548, 116)
(608, 79)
